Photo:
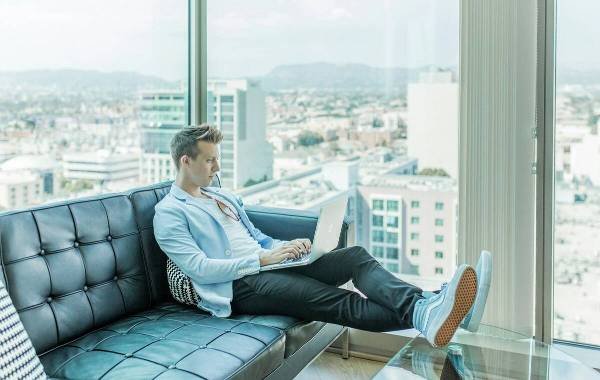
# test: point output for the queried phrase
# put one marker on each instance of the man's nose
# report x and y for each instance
(216, 166)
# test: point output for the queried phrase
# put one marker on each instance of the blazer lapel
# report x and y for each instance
(238, 209)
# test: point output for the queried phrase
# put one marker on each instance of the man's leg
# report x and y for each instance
(368, 276)
(293, 294)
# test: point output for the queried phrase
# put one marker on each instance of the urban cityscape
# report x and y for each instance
(299, 148)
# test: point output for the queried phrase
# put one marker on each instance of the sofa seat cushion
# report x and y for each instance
(297, 332)
(170, 341)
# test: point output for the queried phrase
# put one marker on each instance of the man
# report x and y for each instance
(207, 234)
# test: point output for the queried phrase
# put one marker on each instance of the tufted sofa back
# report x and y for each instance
(75, 266)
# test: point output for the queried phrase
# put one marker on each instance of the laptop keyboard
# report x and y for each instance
(303, 257)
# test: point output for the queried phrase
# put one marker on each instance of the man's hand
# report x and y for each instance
(289, 250)
(303, 244)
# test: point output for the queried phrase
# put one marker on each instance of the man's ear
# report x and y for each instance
(184, 160)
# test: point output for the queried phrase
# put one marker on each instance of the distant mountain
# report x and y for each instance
(82, 80)
(338, 77)
(574, 77)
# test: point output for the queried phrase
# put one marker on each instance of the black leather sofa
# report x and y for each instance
(89, 283)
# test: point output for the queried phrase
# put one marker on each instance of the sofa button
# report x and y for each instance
(85, 288)
(115, 278)
(128, 355)
(228, 252)
(109, 238)
(202, 347)
(42, 252)
(49, 299)
(76, 244)
(172, 366)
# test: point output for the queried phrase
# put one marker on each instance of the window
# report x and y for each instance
(414, 236)
(439, 254)
(378, 236)
(103, 82)
(392, 205)
(392, 221)
(414, 220)
(391, 253)
(378, 220)
(378, 251)
(376, 92)
(391, 237)
(439, 222)
(377, 204)
(439, 205)
(439, 270)
(577, 174)
(414, 252)
(392, 267)
(439, 238)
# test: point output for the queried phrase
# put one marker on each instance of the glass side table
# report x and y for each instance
(491, 353)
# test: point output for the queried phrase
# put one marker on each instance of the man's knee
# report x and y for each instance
(361, 252)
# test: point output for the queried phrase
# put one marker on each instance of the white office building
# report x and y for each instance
(18, 190)
(409, 224)
(432, 131)
(101, 166)
(237, 107)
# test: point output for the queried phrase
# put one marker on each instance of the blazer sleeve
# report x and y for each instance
(172, 234)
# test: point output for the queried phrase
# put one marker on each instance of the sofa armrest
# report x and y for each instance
(289, 224)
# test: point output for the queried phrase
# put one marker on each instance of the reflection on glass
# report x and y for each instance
(577, 174)
(90, 95)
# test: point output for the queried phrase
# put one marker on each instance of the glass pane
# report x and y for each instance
(377, 220)
(577, 173)
(90, 94)
(338, 98)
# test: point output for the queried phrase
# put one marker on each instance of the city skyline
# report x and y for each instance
(408, 33)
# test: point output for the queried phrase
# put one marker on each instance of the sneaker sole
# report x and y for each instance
(464, 298)
(483, 289)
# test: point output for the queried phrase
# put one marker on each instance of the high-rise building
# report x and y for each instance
(409, 224)
(237, 107)
(432, 131)
(161, 115)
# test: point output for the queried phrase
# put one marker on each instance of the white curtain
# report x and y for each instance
(497, 187)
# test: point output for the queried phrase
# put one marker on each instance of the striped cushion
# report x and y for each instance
(180, 285)
(18, 359)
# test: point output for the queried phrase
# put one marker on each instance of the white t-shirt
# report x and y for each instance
(242, 243)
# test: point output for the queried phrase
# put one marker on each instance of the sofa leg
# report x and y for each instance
(346, 343)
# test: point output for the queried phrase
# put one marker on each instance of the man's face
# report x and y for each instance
(202, 169)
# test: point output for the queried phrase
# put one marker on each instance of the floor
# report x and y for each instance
(330, 366)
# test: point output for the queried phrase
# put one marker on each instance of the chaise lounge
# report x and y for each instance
(89, 284)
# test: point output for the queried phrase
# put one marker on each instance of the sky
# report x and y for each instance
(250, 38)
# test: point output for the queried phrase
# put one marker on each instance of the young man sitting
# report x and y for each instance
(207, 234)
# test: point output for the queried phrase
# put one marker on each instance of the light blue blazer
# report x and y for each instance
(197, 243)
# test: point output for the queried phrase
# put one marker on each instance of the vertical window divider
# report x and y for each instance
(197, 64)
(544, 169)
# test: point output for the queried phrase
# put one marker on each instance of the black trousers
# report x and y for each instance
(311, 293)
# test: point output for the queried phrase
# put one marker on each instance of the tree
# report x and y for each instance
(308, 138)
(434, 172)
(251, 181)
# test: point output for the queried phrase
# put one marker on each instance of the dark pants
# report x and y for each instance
(311, 293)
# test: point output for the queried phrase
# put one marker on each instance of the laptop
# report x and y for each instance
(326, 238)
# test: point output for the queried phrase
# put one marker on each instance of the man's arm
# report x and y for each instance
(174, 238)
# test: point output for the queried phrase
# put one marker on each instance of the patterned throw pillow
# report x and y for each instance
(180, 285)
(18, 359)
